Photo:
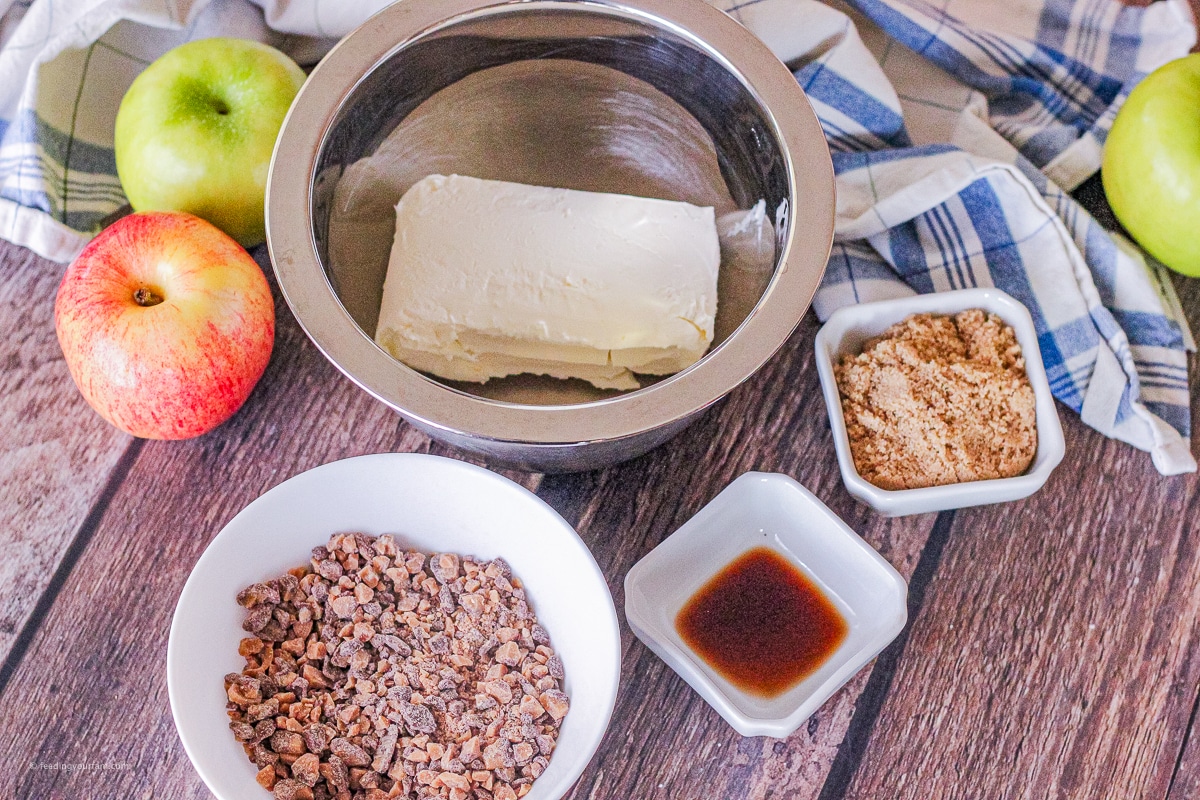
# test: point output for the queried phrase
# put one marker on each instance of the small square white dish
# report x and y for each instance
(849, 328)
(767, 510)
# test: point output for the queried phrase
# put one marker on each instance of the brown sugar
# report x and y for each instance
(937, 400)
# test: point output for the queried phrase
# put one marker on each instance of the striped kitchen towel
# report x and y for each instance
(956, 131)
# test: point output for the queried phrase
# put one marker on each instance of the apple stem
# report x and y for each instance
(145, 296)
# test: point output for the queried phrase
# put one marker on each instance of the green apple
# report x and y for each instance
(1151, 170)
(196, 129)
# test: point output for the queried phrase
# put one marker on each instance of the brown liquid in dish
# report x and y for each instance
(761, 624)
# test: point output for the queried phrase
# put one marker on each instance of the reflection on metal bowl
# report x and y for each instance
(657, 98)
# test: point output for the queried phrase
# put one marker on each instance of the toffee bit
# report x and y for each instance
(241, 731)
(256, 619)
(317, 737)
(419, 719)
(289, 789)
(305, 769)
(352, 754)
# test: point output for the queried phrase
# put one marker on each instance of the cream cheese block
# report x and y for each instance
(491, 278)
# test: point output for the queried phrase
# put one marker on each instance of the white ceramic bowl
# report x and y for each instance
(767, 510)
(847, 331)
(432, 504)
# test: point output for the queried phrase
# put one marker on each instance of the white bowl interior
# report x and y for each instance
(773, 511)
(432, 504)
(848, 330)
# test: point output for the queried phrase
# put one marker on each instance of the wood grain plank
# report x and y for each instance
(665, 742)
(106, 678)
(1057, 654)
(1185, 779)
(56, 454)
(97, 660)
(1185, 783)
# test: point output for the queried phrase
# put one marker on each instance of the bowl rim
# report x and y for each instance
(437, 407)
(897, 502)
(782, 715)
(607, 628)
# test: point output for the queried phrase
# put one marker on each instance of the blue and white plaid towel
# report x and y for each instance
(956, 131)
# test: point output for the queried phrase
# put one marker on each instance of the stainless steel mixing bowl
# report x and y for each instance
(766, 142)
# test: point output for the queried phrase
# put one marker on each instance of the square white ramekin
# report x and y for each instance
(767, 510)
(850, 327)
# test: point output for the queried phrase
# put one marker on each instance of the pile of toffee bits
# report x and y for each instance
(379, 673)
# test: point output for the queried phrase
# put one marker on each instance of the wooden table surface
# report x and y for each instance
(1051, 649)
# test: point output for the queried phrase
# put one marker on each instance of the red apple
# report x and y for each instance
(166, 324)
